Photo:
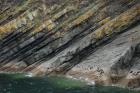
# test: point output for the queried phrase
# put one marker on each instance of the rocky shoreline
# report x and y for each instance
(95, 40)
(114, 63)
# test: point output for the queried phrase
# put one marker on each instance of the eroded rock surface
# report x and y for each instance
(114, 61)
(94, 39)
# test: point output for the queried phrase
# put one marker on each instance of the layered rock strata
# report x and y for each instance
(95, 39)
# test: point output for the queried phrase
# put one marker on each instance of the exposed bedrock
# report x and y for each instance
(115, 62)
(94, 39)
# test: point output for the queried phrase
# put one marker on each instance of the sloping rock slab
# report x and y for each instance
(112, 62)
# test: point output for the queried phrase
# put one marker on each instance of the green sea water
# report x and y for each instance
(20, 83)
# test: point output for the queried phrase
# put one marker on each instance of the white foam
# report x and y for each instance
(93, 82)
(89, 82)
(29, 75)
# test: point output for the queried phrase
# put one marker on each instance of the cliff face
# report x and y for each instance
(95, 39)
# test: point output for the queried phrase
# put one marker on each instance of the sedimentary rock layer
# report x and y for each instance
(71, 36)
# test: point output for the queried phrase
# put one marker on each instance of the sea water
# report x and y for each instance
(22, 83)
